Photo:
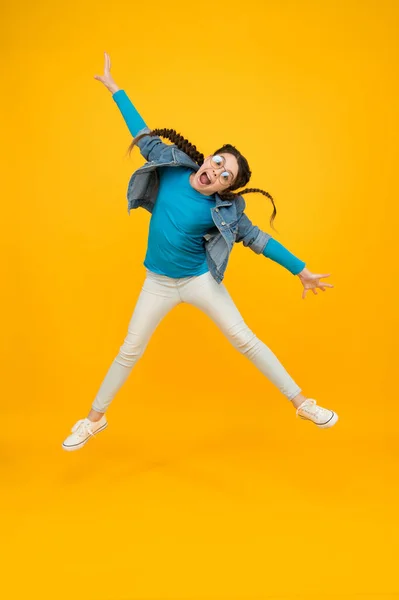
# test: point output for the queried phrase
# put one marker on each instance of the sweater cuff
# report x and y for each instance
(276, 252)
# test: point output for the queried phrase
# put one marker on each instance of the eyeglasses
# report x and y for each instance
(218, 162)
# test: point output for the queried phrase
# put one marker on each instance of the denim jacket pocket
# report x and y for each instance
(232, 228)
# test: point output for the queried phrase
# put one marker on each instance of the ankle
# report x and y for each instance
(94, 416)
(298, 400)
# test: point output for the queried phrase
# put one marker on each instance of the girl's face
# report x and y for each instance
(217, 174)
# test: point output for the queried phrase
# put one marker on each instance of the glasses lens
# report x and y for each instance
(226, 178)
(217, 161)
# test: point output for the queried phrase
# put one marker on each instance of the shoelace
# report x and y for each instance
(81, 428)
(306, 404)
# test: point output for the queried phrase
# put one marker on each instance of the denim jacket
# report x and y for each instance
(231, 223)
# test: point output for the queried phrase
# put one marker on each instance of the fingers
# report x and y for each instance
(107, 63)
(322, 286)
(313, 289)
(107, 66)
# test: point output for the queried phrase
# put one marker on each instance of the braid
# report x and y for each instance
(181, 142)
(230, 195)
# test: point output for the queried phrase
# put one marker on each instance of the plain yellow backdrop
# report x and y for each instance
(205, 485)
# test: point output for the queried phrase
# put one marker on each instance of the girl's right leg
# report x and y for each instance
(158, 296)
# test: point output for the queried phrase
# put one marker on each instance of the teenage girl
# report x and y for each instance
(195, 221)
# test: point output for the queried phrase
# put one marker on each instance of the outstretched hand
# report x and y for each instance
(311, 281)
(107, 78)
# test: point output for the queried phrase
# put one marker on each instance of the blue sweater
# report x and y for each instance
(180, 219)
(175, 241)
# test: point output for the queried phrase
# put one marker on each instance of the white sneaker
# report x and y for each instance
(322, 417)
(82, 431)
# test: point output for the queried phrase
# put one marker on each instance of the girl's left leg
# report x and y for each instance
(213, 299)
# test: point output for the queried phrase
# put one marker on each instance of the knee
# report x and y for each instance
(131, 350)
(243, 338)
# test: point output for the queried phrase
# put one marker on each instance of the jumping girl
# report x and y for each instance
(195, 221)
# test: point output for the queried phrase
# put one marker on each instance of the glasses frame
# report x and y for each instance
(222, 165)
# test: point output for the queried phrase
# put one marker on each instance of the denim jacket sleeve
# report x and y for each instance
(151, 147)
(250, 235)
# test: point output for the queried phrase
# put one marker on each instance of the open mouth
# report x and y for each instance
(204, 179)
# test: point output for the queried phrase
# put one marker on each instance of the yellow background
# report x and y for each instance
(205, 486)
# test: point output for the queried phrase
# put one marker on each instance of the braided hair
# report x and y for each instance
(244, 172)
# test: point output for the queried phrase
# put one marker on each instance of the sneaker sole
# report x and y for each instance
(330, 422)
(79, 446)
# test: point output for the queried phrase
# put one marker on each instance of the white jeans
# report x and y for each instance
(158, 296)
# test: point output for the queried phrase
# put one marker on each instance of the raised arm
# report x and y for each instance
(133, 119)
(150, 147)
